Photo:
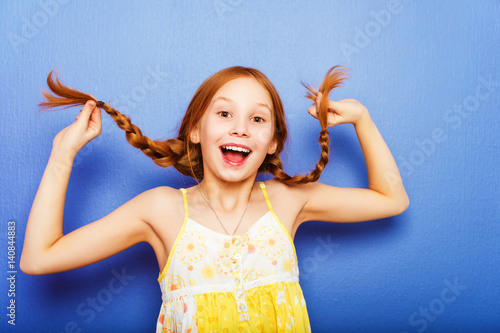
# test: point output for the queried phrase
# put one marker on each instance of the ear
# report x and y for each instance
(194, 136)
(272, 147)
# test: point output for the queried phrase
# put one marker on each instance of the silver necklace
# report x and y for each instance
(217, 216)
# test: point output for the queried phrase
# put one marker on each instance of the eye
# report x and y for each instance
(258, 119)
(224, 114)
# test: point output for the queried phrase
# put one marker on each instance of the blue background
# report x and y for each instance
(428, 72)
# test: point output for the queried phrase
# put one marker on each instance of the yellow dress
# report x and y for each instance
(214, 282)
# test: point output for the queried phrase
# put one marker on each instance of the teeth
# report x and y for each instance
(243, 150)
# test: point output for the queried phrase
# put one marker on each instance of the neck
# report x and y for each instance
(227, 196)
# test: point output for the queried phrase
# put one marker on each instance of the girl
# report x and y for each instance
(225, 246)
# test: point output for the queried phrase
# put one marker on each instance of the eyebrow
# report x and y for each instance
(230, 100)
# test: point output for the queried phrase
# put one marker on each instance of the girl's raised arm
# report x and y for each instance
(386, 195)
(46, 250)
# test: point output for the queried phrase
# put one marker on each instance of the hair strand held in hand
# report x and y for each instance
(186, 156)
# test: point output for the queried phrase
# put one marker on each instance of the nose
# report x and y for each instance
(239, 128)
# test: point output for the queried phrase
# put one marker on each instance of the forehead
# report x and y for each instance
(244, 90)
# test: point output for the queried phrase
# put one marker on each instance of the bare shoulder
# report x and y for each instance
(161, 201)
(289, 193)
(162, 193)
(163, 211)
(305, 202)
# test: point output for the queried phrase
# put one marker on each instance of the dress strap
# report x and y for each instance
(186, 209)
(263, 187)
(172, 250)
(268, 202)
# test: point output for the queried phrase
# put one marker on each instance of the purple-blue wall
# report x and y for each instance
(428, 71)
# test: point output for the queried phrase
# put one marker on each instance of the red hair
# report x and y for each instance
(186, 156)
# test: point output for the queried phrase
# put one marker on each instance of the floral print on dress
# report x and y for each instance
(175, 282)
(219, 283)
(255, 274)
(208, 271)
(225, 263)
(270, 242)
(191, 247)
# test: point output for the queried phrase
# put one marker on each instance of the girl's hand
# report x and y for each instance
(340, 112)
(86, 127)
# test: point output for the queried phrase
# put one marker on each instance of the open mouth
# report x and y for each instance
(235, 155)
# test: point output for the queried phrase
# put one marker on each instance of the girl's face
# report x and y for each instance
(236, 132)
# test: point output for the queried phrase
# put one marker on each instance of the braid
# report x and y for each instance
(164, 153)
(333, 79)
(171, 152)
(184, 155)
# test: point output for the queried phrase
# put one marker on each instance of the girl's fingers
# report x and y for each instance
(78, 116)
(336, 110)
(318, 98)
(339, 112)
(95, 120)
(86, 112)
(313, 111)
(89, 120)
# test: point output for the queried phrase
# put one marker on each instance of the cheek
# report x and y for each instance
(264, 136)
(210, 130)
